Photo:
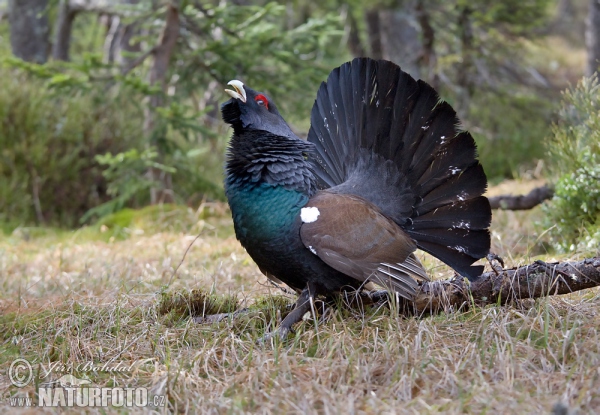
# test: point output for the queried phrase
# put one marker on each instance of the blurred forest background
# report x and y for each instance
(113, 104)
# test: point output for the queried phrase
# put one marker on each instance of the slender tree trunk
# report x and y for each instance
(29, 29)
(111, 40)
(464, 77)
(118, 39)
(428, 61)
(158, 72)
(62, 31)
(126, 33)
(592, 37)
(374, 33)
(354, 43)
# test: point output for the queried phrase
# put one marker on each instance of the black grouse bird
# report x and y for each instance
(384, 171)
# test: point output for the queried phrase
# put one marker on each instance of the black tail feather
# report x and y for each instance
(470, 242)
(457, 154)
(450, 216)
(463, 185)
(460, 261)
(382, 135)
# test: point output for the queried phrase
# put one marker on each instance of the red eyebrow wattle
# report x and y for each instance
(261, 97)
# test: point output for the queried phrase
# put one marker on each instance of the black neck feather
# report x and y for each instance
(255, 157)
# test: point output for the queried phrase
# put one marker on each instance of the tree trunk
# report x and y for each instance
(392, 35)
(592, 37)
(111, 41)
(374, 33)
(158, 72)
(354, 43)
(118, 40)
(464, 77)
(126, 33)
(62, 30)
(29, 29)
(400, 40)
(428, 59)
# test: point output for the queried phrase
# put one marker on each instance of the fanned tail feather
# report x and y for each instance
(381, 135)
(401, 277)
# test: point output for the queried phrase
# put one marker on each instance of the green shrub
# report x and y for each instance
(510, 131)
(574, 212)
(48, 142)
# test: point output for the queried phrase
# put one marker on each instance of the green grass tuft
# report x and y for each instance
(195, 303)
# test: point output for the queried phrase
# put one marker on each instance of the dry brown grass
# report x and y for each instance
(75, 298)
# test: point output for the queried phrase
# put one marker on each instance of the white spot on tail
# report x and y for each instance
(313, 250)
(458, 248)
(309, 214)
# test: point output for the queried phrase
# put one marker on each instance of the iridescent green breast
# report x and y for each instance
(262, 212)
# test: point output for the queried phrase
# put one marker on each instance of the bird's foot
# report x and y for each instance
(303, 305)
(379, 296)
(491, 257)
(278, 335)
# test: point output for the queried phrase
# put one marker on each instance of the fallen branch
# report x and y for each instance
(522, 202)
(501, 286)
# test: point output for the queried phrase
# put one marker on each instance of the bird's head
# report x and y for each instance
(251, 110)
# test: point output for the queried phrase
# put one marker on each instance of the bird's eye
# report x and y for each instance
(262, 101)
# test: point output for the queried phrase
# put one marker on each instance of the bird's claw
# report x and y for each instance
(491, 257)
(278, 335)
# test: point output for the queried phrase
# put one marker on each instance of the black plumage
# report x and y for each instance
(384, 171)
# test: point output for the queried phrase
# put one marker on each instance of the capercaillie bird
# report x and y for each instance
(385, 170)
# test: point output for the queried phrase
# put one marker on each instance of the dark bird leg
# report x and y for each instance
(303, 305)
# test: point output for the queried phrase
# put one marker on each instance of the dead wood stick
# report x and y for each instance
(522, 202)
(501, 286)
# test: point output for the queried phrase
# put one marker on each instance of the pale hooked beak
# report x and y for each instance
(239, 92)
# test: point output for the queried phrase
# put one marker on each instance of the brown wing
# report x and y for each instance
(351, 235)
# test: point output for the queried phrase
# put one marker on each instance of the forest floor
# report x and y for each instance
(107, 296)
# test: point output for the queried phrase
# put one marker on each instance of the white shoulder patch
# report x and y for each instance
(309, 214)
